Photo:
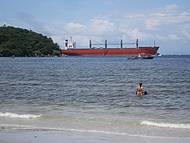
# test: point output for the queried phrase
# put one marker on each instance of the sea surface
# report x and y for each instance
(96, 95)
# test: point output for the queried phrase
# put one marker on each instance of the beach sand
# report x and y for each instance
(75, 137)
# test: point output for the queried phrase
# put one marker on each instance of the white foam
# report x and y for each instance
(166, 125)
(22, 116)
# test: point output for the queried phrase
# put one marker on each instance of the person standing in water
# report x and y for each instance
(140, 90)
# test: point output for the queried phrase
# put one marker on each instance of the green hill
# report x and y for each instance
(23, 42)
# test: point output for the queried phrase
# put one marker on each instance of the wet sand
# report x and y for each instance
(73, 137)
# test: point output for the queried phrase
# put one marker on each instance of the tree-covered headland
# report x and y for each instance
(22, 42)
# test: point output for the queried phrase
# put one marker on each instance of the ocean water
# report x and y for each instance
(96, 95)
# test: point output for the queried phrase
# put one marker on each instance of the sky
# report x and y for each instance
(167, 22)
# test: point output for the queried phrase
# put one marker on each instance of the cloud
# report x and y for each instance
(170, 8)
(131, 33)
(167, 36)
(185, 31)
(170, 15)
(101, 26)
(173, 37)
(135, 16)
(32, 22)
(168, 23)
(95, 29)
(73, 27)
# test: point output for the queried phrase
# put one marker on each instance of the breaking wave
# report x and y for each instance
(166, 125)
(21, 116)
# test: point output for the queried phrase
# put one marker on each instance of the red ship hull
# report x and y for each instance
(142, 51)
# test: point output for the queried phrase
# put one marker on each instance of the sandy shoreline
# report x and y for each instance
(73, 137)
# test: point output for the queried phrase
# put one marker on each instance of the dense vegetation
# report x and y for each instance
(23, 42)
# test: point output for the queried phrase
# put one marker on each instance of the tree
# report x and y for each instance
(23, 42)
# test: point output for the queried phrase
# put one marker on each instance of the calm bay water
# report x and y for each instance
(96, 94)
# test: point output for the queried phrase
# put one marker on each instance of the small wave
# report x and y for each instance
(35, 128)
(166, 125)
(21, 116)
(28, 127)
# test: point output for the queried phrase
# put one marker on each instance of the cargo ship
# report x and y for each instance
(137, 51)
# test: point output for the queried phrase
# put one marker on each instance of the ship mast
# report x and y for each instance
(121, 43)
(66, 44)
(137, 43)
(90, 44)
(106, 44)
